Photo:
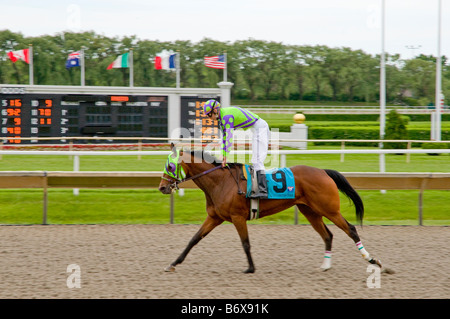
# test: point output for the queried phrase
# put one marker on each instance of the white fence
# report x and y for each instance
(324, 109)
(281, 153)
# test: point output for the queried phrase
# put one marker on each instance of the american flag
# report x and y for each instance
(215, 62)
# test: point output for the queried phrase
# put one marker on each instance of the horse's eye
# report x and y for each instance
(171, 167)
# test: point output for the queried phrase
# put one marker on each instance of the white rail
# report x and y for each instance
(274, 152)
(282, 153)
(193, 139)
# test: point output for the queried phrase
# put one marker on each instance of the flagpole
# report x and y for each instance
(438, 92)
(130, 60)
(30, 66)
(82, 66)
(225, 69)
(382, 162)
(178, 68)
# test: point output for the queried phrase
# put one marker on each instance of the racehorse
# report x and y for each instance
(316, 196)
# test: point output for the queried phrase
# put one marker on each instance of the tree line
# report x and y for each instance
(260, 70)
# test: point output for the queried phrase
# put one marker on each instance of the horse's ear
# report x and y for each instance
(174, 150)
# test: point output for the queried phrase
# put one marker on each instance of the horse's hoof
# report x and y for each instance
(169, 268)
(249, 271)
(325, 268)
(378, 262)
(375, 261)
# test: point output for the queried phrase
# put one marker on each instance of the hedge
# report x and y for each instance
(366, 117)
(344, 133)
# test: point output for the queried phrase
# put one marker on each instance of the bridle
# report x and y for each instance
(178, 180)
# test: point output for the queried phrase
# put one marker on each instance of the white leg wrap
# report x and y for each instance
(326, 261)
(363, 251)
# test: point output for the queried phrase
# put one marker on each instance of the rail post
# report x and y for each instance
(45, 200)
(172, 204)
(283, 160)
(423, 184)
(408, 155)
(139, 148)
(76, 168)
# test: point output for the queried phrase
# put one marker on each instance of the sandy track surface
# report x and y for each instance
(128, 261)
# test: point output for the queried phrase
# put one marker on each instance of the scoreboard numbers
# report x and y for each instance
(198, 124)
(37, 115)
(11, 119)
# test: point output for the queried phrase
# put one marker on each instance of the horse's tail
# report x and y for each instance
(345, 187)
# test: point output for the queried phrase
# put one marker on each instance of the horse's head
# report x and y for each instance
(173, 172)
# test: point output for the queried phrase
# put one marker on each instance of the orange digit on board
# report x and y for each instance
(16, 102)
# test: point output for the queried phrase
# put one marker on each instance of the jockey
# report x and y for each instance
(233, 117)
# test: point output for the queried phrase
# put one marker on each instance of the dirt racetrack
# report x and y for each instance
(128, 261)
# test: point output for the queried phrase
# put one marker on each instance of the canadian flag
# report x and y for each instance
(20, 55)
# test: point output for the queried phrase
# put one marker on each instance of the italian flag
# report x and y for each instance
(23, 55)
(120, 62)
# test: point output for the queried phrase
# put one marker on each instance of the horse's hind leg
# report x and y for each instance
(319, 226)
(208, 225)
(350, 230)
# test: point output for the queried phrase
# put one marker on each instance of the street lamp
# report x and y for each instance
(438, 97)
(382, 86)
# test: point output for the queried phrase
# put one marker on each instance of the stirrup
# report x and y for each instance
(259, 196)
(261, 187)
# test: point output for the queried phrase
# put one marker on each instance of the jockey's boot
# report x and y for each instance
(262, 185)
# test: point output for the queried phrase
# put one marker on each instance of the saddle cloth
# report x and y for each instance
(280, 182)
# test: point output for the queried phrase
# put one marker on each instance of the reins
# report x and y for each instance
(200, 174)
(178, 181)
(174, 183)
(236, 179)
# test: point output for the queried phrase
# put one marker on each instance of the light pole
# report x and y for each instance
(437, 124)
(382, 87)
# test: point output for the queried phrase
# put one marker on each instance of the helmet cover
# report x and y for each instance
(209, 106)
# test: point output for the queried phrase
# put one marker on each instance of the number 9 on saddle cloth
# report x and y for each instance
(280, 182)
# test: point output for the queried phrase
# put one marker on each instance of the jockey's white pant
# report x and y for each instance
(260, 143)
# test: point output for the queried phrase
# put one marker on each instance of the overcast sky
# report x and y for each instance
(411, 25)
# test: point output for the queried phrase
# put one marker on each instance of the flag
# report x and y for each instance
(215, 62)
(20, 55)
(165, 62)
(120, 62)
(73, 60)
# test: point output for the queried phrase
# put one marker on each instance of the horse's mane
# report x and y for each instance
(210, 158)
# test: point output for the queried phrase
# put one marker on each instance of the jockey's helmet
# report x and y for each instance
(209, 106)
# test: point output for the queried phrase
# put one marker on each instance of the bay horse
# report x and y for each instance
(316, 196)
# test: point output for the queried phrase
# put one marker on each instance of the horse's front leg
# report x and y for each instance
(240, 223)
(208, 225)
